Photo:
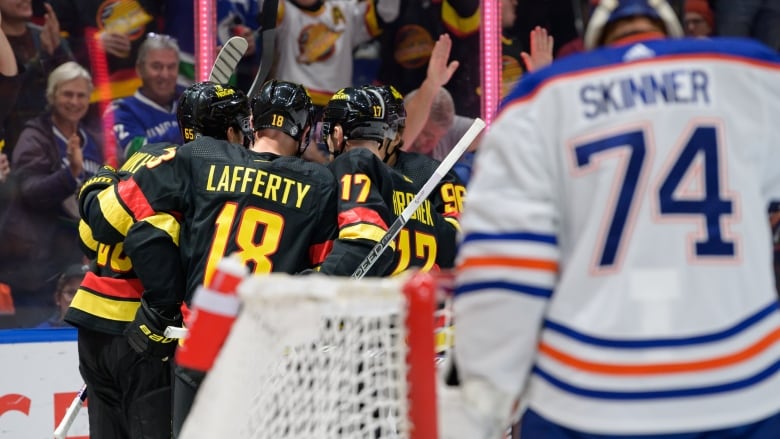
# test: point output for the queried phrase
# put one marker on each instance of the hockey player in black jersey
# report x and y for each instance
(129, 387)
(428, 239)
(276, 211)
(355, 129)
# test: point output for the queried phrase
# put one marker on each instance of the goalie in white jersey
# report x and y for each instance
(615, 272)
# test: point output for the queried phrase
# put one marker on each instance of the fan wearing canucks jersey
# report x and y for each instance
(149, 116)
(615, 273)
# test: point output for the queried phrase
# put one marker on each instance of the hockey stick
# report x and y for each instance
(227, 60)
(62, 429)
(267, 21)
(422, 195)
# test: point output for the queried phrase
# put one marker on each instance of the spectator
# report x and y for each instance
(440, 120)
(315, 39)
(759, 19)
(67, 285)
(240, 19)
(55, 153)
(699, 21)
(408, 41)
(120, 25)
(432, 104)
(9, 84)
(443, 128)
(9, 81)
(38, 50)
(233, 19)
(149, 116)
(576, 45)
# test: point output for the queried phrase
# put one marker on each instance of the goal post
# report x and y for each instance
(325, 357)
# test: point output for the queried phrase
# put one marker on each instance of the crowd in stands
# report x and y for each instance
(84, 84)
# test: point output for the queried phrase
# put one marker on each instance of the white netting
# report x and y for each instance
(309, 356)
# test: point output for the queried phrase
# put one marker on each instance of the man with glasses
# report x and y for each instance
(149, 116)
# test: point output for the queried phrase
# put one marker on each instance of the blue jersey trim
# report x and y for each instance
(510, 286)
(664, 342)
(658, 394)
(518, 236)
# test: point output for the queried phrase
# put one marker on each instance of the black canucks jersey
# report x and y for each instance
(277, 213)
(110, 294)
(428, 240)
(364, 212)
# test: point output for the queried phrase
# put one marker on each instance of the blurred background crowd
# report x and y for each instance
(87, 82)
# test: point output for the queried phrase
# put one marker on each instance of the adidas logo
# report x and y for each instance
(638, 51)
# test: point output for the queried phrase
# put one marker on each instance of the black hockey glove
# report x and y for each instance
(145, 333)
(106, 176)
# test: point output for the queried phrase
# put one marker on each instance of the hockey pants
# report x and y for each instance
(129, 396)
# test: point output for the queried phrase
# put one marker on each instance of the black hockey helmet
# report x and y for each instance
(283, 106)
(394, 103)
(209, 109)
(360, 113)
(395, 116)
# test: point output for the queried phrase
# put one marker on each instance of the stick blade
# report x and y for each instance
(227, 60)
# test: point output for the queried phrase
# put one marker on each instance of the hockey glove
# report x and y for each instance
(145, 333)
(106, 176)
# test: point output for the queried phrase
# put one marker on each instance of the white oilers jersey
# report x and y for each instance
(616, 235)
(314, 48)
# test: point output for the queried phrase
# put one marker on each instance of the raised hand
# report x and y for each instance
(439, 70)
(541, 50)
(50, 34)
(116, 44)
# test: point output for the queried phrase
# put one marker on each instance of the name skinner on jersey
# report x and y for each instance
(670, 87)
(228, 178)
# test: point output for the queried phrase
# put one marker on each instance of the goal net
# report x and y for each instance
(324, 357)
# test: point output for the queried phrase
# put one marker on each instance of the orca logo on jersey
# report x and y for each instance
(670, 87)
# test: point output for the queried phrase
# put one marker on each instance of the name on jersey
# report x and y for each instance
(136, 161)
(283, 190)
(673, 87)
(422, 214)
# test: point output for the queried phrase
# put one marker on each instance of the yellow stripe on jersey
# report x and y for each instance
(113, 212)
(167, 223)
(109, 309)
(364, 231)
(85, 233)
(455, 223)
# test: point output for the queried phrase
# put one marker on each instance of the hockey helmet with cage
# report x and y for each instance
(610, 11)
(360, 112)
(283, 106)
(209, 109)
